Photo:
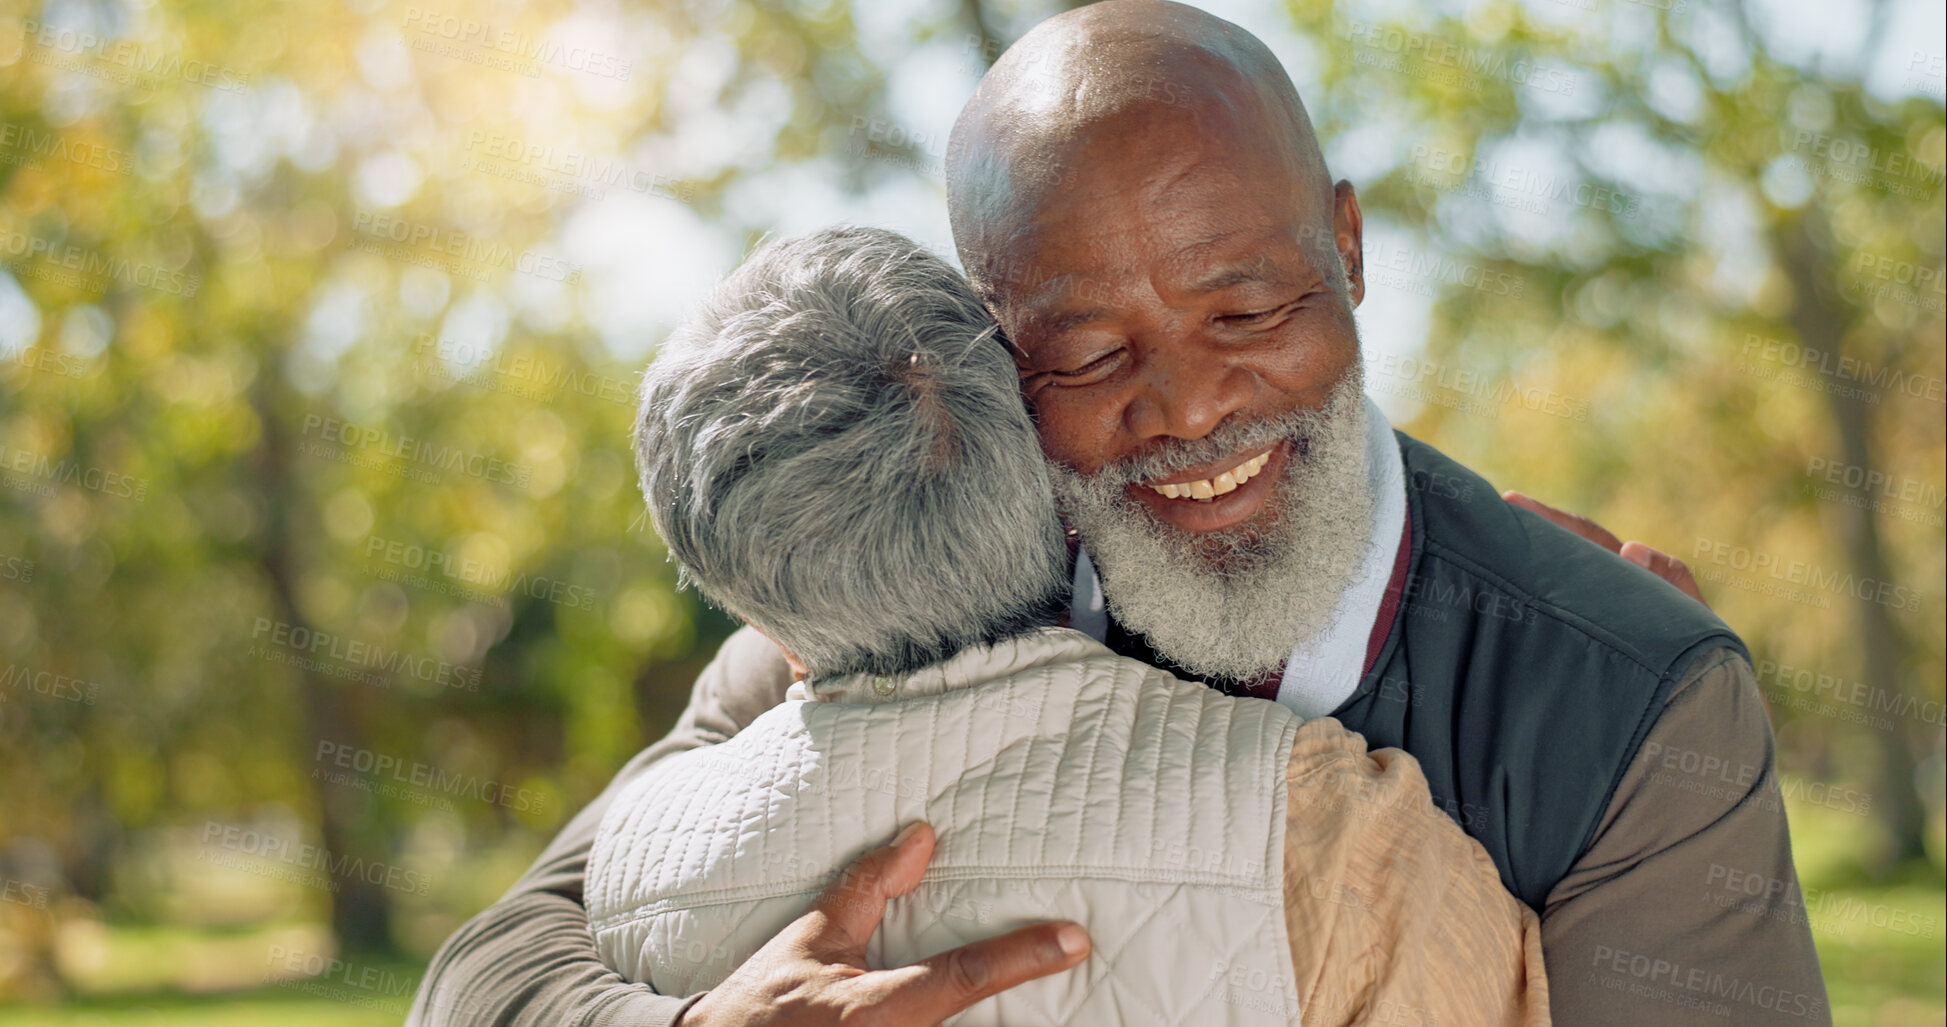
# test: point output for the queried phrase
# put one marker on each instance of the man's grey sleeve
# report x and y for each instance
(529, 960)
(1685, 909)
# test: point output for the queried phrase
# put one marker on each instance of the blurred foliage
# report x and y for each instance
(1653, 226)
(319, 326)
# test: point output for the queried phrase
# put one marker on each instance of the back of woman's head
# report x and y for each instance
(835, 449)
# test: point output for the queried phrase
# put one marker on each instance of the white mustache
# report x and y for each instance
(1173, 456)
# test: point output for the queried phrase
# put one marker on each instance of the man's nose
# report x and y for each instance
(1185, 392)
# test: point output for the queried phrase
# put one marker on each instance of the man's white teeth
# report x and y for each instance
(1210, 488)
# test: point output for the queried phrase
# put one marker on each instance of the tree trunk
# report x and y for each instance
(1804, 244)
(360, 910)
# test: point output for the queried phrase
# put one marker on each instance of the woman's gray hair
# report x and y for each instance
(835, 449)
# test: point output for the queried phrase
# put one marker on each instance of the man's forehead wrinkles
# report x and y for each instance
(1067, 288)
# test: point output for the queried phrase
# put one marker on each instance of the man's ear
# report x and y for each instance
(798, 673)
(1348, 234)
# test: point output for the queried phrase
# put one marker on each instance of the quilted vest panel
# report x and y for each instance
(1064, 783)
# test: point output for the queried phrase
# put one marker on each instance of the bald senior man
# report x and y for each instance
(1136, 191)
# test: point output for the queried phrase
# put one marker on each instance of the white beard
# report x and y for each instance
(1232, 605)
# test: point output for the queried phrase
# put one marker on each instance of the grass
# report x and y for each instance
(1881, 945)
(1881, 975)
(288, 974)
(284, 1008)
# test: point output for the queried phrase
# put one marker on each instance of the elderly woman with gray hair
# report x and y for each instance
(835, 450)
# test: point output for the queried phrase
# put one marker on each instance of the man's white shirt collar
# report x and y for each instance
(1324, 673)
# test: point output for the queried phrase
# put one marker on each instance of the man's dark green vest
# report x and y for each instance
(1523, 671)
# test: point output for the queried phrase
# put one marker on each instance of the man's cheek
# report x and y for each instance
(1073, 432)
(1310, 353)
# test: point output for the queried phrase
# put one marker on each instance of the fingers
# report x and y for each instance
(820, 958)
(1576, 523)
(1664, 566)
(843, 918)
(933, 989)
(912, 849)
(1657, 562)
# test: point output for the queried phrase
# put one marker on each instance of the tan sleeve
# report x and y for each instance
(1395, 915)
(1685, 909)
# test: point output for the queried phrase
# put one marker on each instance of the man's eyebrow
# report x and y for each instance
(1259, 270)
(1058, 322)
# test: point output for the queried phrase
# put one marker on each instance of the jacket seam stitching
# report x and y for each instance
(1254, 890)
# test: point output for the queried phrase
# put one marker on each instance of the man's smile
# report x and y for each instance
(1209, 488)
(1215, 498)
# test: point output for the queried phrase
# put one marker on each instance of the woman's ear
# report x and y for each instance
(798, 673)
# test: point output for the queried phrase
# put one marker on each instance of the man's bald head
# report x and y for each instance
(1137, 194)
(1111, 70)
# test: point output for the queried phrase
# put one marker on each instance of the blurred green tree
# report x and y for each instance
(317, 346)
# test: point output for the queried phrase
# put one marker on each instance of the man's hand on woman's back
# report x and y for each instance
(814, 972)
